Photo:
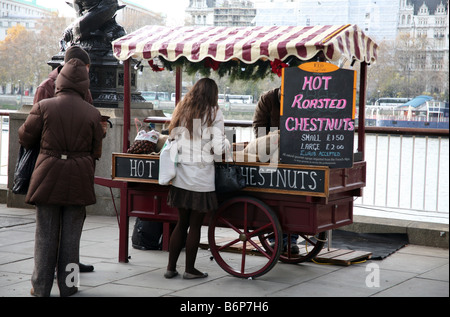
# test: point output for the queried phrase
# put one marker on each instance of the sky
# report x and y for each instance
(174, 9)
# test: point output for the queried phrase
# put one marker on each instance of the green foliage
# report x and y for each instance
(234, 69)
(24, 54)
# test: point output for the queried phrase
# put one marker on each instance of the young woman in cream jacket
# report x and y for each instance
(198, 126)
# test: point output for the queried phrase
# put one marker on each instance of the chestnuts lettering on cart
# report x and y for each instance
(292, 179)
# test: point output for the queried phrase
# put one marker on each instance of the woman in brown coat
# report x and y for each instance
(69, 134)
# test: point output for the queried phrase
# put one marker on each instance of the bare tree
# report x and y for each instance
(403, 70)
(24, 54)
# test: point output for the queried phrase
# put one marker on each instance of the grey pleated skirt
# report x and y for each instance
(200, 201)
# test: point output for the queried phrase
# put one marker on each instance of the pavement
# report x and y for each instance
(413, 271)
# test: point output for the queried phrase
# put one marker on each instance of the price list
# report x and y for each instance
(317, 115)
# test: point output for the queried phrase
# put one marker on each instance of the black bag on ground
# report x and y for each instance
(24, 169)
(147, 235)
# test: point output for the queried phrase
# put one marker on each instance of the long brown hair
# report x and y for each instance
(201, 102)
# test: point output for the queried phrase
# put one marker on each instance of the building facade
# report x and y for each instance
(134, 16)
(28, 12)
(234, 13)
(25, 13)
(221, 12)
(383, 20)
(378, 18)
(201, 12)
(278, 13)
(423, 27)
(417, 30)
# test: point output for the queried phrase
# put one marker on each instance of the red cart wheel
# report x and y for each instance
(235, 227)
(309, 247)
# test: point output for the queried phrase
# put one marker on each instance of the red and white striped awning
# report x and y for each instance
(247, 44)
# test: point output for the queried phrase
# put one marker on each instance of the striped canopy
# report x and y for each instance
(247, 44)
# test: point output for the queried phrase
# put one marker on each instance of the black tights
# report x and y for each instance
(187, 219)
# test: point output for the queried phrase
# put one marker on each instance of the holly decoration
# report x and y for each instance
(235, 69)
(155, 67)
(277, 66)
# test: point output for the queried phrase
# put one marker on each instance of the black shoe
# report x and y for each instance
(189, 276)
(84, 268)
(170, 274)
(294, 249)
(71, 291)
(272, 245)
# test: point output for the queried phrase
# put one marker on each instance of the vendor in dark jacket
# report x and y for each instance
(69, 133)
(267, 112)
(265, 119)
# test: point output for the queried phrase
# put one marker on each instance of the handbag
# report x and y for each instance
(228, 178)
(168, 162)
(24, 168)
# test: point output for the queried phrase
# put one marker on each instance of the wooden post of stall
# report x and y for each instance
(124, 221)
(362, 109)
(167, 226)
(178, 84)
(126, 105)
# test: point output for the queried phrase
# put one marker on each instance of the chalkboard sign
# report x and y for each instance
(317, 115)
(286, 179)
(135, 167)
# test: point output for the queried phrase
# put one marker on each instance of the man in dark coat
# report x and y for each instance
(46, 89)
(69, 133)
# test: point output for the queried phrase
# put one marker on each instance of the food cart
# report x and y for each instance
(289, 197)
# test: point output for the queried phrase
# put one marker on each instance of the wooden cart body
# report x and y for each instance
(291, 210)
(251, 212)
(296, 213)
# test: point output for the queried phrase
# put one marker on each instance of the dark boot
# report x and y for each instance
(84, 268)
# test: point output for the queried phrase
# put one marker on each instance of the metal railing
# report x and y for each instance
(4, 145)
(406, 168)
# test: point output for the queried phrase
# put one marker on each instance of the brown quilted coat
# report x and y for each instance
(69, 134)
